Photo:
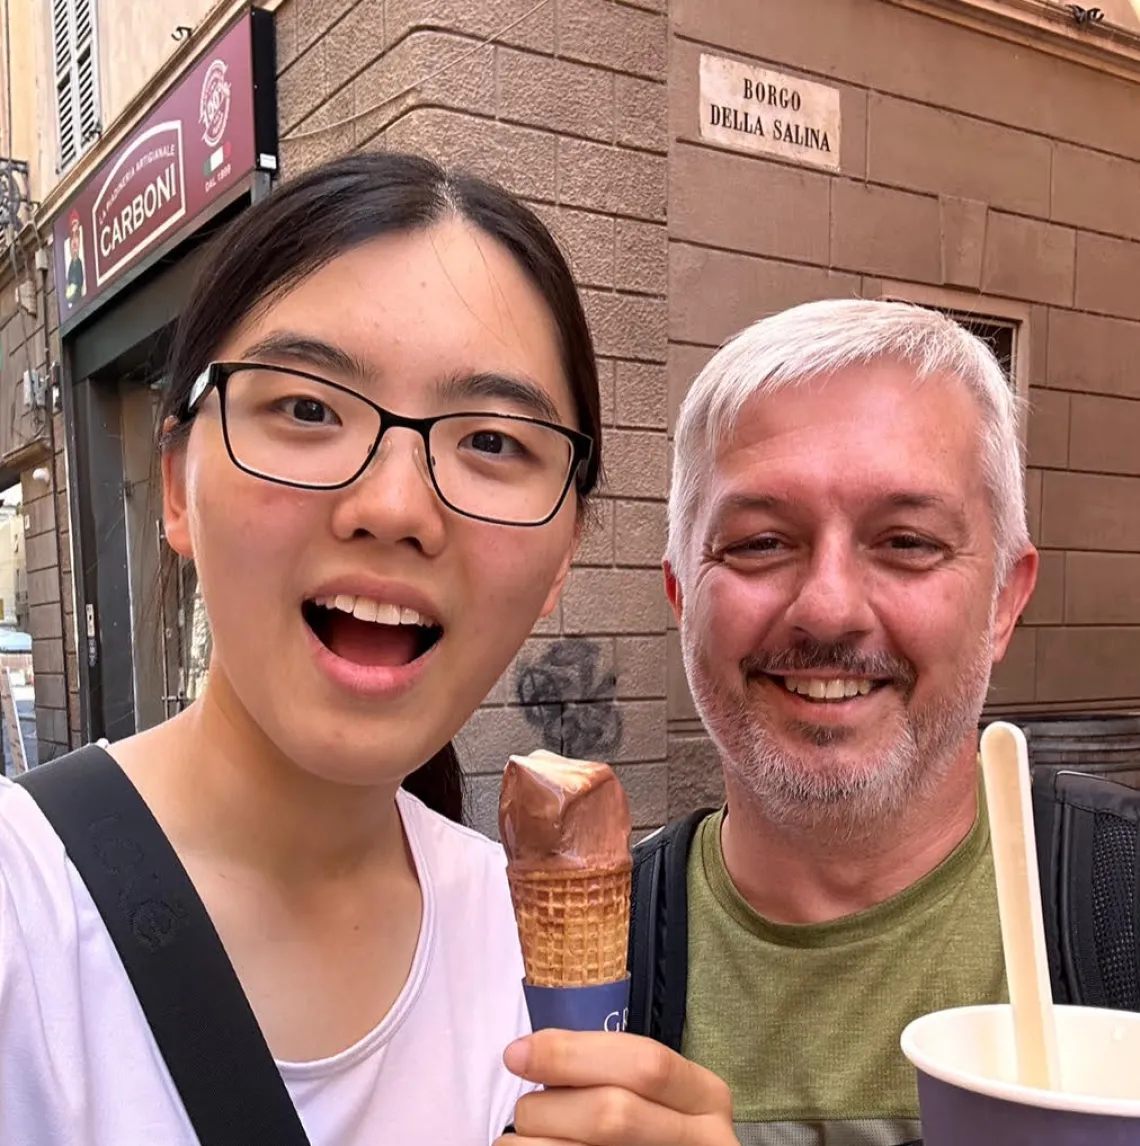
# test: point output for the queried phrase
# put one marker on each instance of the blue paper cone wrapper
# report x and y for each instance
(601, 1008)
(953, 1116)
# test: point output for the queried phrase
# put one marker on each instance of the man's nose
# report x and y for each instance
(831, 602)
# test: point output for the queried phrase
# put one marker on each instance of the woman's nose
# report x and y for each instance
(394, 499)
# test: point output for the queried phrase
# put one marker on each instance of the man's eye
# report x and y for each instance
(755, 546)
(912, 548)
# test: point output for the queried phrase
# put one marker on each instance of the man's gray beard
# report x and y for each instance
(841, 805)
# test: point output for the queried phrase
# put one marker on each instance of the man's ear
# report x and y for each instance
(563, 571)
(175, 514)
(673, 590)
(1012, 599)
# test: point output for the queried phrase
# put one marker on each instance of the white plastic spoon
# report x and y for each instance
(1005, 766)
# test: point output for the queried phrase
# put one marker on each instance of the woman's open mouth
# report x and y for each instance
(369, 633)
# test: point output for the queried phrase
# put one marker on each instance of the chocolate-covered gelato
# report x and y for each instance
(565, 827)
(563, 815)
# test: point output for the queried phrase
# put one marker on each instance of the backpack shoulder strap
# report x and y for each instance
(1088, 859)
(659, 931)
(201, 1020)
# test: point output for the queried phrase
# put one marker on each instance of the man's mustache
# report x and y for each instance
(834, 659)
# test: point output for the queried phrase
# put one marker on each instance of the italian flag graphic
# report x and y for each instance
(216, 159)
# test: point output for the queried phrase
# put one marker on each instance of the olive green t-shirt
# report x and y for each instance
(803, 1022)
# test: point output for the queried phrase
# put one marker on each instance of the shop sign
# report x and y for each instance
(752, 109)
(198, 145)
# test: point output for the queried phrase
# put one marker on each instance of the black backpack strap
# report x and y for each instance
(1047, 828)
(205, 1028)
(1087, 829)
(659, 931)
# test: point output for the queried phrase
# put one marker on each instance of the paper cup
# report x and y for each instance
(968, 1092)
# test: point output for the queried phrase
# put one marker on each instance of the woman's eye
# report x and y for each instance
(493, 442)
(309, 410)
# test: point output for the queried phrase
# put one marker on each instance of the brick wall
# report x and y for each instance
(967, 162)
(567, 109)
(24, 446)
(52, 625)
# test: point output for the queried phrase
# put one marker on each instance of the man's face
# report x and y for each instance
(839, 615)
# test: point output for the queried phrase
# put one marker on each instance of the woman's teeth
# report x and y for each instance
(828, 689)
(366, 610)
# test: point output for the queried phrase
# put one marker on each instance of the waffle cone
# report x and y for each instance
(573, 925)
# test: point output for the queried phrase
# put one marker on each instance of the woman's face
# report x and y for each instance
(417, 323)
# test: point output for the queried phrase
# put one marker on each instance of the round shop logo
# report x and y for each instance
(214, 106)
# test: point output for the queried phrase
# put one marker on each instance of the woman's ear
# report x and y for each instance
(175, 514)
(563, 570)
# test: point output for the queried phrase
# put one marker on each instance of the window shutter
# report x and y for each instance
(64, 89)
(76, 77)
(85, 68)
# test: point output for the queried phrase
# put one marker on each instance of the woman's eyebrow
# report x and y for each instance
(308, 350)
(517, 391)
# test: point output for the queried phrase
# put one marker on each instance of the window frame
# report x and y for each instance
(978, 308)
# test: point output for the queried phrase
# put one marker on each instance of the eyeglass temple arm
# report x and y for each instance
(201, 385)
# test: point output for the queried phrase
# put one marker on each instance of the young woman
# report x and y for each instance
(381, 431)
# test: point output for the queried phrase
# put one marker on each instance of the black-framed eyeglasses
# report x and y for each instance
(301, 430)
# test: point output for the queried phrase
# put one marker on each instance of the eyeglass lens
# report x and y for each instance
(309, 433)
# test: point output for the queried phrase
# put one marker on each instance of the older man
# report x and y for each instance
(847, 559)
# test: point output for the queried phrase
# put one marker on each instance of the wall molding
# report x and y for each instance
(1043, 26)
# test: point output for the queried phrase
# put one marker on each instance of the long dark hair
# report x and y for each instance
(305, 224)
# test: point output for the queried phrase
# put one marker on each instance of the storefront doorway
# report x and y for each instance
(168, 631)
(147, 645)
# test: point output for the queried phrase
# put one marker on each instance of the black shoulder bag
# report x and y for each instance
(205, 1028)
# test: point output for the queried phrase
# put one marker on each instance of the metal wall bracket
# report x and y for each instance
(14, 192)
(35, 390)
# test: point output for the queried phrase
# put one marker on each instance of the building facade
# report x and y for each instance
(704, 163)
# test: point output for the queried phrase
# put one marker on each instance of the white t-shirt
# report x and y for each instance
(79, 1066)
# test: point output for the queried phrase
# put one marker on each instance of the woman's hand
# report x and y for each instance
(615, 1090)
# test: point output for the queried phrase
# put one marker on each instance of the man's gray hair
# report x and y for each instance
(819, 339)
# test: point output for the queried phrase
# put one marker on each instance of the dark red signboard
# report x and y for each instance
(199, 144)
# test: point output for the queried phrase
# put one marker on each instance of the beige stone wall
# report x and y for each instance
(25, 448)
(28, 89)
(52, 627)
(957, 176)
(999, 172)
(24, 438)
(568, 109)
(135, 40)
(1002, 172)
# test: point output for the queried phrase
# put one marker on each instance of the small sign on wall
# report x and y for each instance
(751, 109)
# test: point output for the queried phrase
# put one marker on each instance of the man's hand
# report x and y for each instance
(615, 1090)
